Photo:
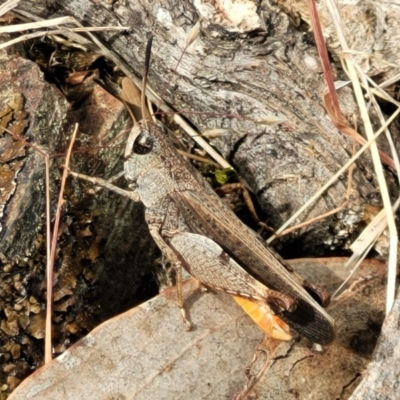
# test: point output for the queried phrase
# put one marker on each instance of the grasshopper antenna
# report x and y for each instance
(145, 113)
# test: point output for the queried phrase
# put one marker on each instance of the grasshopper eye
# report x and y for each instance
(143, 144)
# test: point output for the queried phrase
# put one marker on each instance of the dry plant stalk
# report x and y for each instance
(329, 213)
(332, 105)
(52, 254)
(392, 268)
(331, 100)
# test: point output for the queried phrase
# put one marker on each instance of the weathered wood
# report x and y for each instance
(369, 26)
(105, 256)
(145, 354)
(381, 380)
(261, 67)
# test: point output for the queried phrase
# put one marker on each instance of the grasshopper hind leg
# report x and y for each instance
(181, 303)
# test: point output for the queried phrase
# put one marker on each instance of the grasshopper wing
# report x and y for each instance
(208, 216)
(208, 262)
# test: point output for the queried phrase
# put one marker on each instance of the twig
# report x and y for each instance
(50, 264)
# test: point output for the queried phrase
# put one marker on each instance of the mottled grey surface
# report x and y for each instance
(229, 72)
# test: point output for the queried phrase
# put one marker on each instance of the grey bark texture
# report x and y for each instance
(258, 68)
(120, 232)
(381, 380)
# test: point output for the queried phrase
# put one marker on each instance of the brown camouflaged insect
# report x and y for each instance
(194, 229)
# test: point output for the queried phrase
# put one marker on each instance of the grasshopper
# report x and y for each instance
(194, 229)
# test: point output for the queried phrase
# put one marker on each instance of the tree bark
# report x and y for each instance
(381, 380)
(231, 76)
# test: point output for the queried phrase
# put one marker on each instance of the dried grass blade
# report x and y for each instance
(50, 260)
(7, 6)
(334, 177)
(331, 100)
(392, 268)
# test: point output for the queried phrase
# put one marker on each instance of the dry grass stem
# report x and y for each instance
(36, 25)
(201, 142)
(198, 158)
(102, 183)
(26, 143)
(193, 34)
(331, 100)
(329, 213)
(364, 243)
(75, 36)
(392, 268)
(49, 305)
(62, 31)
(335, 177)
(50, 263)
(7, 6)
(390, 81)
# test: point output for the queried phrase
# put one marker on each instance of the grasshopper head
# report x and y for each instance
(142, 150)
